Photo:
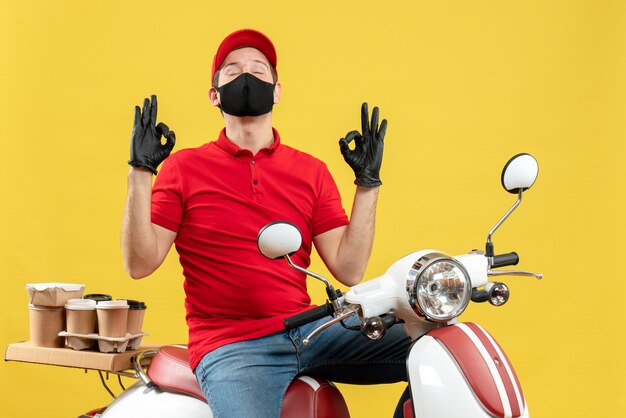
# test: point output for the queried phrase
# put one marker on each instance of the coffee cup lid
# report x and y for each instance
(98, 297)
(136, 304)
(112, 304)
(80, 304)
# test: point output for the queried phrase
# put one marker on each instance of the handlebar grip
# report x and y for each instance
(308, 316)
(508, 259)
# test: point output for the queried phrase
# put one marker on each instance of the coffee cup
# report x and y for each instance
(112, 318)
(45, 324)
(136, 312)
(81, 316)
(81, 319)
(98, 297)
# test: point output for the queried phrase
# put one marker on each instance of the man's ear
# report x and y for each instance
(214, 97)
(277, 89)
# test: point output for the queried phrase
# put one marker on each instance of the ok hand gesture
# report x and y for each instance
(146, 149)
(367, 156)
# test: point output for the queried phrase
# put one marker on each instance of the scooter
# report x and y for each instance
(454, 369)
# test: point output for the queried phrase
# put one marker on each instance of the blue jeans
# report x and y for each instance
(250, 378)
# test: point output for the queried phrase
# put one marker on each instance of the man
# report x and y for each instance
(212, 201)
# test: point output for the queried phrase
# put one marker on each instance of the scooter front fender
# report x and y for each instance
(460, 371)
(140, 402)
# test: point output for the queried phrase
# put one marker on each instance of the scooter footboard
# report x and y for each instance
(460, 370)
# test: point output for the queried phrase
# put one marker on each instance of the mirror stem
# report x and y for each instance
(308, 273)
(330, 290)
(489, 251)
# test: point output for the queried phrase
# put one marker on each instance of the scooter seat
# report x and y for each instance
(169, 369)
(312, 397)
(306, 397)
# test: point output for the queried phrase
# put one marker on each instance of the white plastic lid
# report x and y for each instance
(80, 304)
(112, 304)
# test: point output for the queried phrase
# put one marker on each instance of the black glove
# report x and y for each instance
(367, 155)
(146, 150)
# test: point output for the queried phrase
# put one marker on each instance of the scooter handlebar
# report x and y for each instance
(308, 316)
(508, 259)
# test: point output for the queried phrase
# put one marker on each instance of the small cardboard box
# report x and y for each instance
(111, 362)
(53, 294)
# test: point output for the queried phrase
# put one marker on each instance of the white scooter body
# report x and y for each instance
(438, 380)
(139, 401)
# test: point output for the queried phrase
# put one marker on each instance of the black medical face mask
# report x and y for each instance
(246, 95)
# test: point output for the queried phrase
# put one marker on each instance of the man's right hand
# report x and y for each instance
(146, 149)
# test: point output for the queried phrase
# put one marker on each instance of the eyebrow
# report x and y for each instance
(254, 60)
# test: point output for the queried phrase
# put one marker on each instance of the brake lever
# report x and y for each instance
(349, 311)
(537, 276)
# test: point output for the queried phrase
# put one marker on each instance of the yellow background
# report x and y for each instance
(464, 85)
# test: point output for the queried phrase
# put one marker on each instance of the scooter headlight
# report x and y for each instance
(439, 287)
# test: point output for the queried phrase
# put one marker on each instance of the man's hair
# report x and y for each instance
(217, 76)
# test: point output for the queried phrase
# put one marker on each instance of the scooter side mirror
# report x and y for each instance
(519, 173)
(279, 239)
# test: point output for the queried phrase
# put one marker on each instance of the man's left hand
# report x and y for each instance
(367, 156)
